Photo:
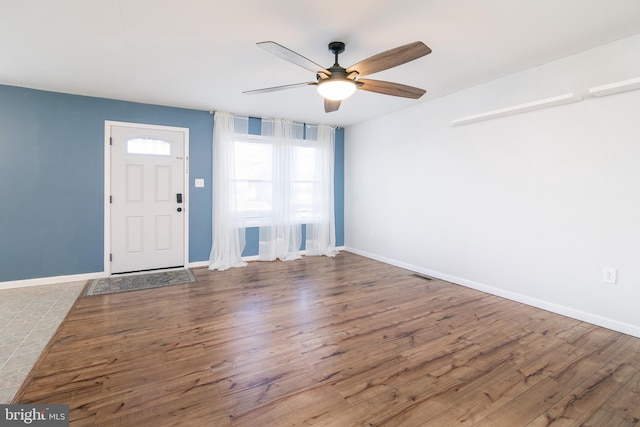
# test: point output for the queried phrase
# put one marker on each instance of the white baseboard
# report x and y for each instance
(51, 280)
(198, 264)
(594, 319)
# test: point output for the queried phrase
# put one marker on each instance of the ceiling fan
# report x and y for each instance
(337, 83)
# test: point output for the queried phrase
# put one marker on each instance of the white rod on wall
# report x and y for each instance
(567, 98)
(618, 87)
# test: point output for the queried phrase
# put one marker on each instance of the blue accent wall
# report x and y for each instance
(52, 180)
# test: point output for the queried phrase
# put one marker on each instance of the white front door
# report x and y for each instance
(147, 198)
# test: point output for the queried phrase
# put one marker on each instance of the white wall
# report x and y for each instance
(531, 206)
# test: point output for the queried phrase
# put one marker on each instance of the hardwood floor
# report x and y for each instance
(332, 342)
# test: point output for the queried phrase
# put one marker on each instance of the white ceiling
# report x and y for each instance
(201, 53)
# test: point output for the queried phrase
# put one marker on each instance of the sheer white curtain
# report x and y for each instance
(321, 226)
(276, 181)
(228, 239)
(282, 237)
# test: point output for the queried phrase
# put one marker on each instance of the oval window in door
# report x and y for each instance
(148, 146)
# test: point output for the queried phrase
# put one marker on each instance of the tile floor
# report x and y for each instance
(28, 319)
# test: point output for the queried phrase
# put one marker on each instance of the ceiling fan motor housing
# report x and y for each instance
(337, 72)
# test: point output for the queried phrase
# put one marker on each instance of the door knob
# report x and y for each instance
(179, 209)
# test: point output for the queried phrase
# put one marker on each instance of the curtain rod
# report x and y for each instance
(212, 112)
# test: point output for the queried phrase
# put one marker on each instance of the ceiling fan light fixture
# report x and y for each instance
(336, 89)
(337, 83)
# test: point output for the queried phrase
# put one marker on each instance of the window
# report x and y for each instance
(276, 181)
(259, 186)
(304, 177)
(254, 181)
(148, 146)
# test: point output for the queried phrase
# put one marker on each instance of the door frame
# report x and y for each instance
(107, 185)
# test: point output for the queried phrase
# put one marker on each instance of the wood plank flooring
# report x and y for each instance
(342, 341)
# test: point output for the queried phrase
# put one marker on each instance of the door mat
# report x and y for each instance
(116, 284)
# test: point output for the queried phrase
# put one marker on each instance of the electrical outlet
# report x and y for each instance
(609, 275)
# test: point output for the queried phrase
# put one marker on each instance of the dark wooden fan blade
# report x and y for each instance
(390, 58)
(393, 89)
(276, 88)
(291, 56)
(330, 105)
